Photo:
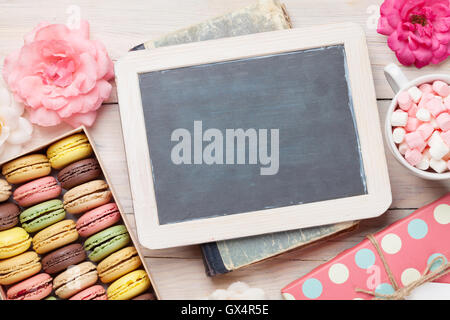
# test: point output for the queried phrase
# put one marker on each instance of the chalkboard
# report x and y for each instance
(249, 135)
(304, 94)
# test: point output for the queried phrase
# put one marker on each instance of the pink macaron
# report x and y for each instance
(37, 191)
(98, 219)
(96, 292)
(34, 288)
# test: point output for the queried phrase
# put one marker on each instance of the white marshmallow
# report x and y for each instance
(438, 165)
(438, 150)
(398, 135)
(424, 164)
(399, 119)
(402, 148)
(415, 94)
(435, 138)
(423, 115)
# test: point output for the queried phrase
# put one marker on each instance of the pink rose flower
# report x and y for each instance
(60, 75)
(418, 30)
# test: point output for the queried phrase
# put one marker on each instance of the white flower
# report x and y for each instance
(14, 129)
(238, 291)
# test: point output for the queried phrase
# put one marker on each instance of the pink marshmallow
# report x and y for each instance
(441, 88)
(412, 124)
(426, 130)
(448, 165)
(446, 137)
(426, 88)
(435, 106)
(413, 156)
(443, 121)
(413, 110)
(447, 103)
(415, 141)
(425, 98)
(404, 101)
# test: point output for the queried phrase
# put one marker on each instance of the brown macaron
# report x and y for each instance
(145, 296)
(64, 257)
(79, 172)
(9, 215)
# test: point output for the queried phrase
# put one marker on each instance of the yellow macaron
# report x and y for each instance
(69, 150)
(55, 236)
(26, 168)
(13, 241)
(129, 286)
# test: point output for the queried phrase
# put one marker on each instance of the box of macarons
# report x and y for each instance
(62, 234)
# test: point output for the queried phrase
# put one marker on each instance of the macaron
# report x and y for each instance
(37, 191)
(98, 219)
(64, 257)
(96, 292)
(34, 288)
(145, 296)
(5, 190)
(79, 172)
(51, 298)
(55, 236)
(26, 168)
(75, 279)
(13, 241)
(118, 264)
(87, 196)
(69, 150)
(42, 215)
(102, 244)
(129, 286)
(20, 267)
(9, 215)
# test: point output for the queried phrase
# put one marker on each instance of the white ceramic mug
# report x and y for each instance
(399, 83)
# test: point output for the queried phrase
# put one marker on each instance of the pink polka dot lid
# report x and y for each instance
(408, 246)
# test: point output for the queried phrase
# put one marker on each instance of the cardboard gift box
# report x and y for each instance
(133, 242)
(396, 258)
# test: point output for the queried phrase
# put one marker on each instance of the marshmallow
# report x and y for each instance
(441, 88)
(424, 164)
(425, 98)
(413, 110)
(415, 94)
(404, 101)
(447, 103)
(426, 130)
(435, 138)
(415, 141)
(412, 124)
(413, 156)
(446, 137)
(448, 165)
(398, 135)
(402, 148)
(435, 106)
(426, 88)
(443, 121)
(434, 123)
(438, 165)
(439, 149)
(399, 118)
(423, 115)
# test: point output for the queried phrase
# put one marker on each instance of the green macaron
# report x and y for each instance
(102, 244)
(42, 215)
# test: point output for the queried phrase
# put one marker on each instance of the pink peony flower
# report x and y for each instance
(60, 75)
(418, 30)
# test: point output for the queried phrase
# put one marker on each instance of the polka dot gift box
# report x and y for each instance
(393, 258)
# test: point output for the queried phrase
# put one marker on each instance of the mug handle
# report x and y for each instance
(396, 78)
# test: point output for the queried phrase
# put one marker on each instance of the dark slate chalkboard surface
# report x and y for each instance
(304, 94)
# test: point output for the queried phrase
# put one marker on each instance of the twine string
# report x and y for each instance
(401, 293)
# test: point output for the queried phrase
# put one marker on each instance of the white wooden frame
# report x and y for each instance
(155, 236)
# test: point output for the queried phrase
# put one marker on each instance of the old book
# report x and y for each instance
(225, 256)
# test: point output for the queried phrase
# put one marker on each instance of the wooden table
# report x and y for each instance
(120, 25)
